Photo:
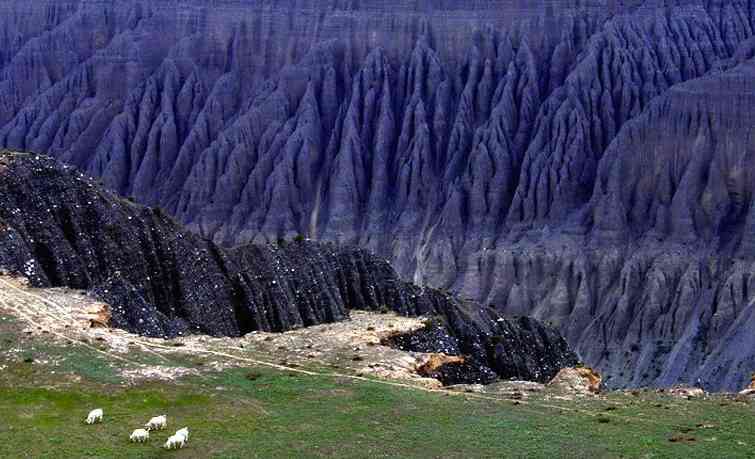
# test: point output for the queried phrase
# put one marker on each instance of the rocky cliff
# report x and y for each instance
(60, 228)
(583, 162)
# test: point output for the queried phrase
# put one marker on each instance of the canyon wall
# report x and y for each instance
(583, 162)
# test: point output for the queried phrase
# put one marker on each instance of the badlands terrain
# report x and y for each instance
(584, 163)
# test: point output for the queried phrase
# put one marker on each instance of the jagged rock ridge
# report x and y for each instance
(60, 228)
(497, 148)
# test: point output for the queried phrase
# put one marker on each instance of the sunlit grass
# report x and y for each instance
(261, 412)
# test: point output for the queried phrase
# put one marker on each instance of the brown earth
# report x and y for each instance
(580, 381)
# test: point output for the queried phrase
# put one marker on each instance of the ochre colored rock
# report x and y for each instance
(749, 390)
(436, 361)
(579, 380)
(99, 316)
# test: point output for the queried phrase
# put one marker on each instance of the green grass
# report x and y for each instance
(281, 414)
(39, 356)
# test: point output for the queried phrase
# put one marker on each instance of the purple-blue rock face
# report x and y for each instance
(584, 162)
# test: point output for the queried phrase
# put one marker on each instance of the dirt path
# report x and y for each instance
(17, 301)
(63, 315)
(62, 321)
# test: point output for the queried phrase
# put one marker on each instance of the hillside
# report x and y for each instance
(237, 404)
(162, 281)
(585, 163)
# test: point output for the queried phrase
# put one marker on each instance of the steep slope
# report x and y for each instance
(653, 284)
(498, 148)
(58, 227)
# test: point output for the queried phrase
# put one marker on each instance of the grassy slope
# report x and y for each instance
(278, 414)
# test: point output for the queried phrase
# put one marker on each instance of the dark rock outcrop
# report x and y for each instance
(583, 162)
(60, 228)
(502, 345)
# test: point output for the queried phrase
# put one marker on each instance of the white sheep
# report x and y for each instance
(183, 432)
(157, 423)
(139, 436)
(94, 416)
(175, 442)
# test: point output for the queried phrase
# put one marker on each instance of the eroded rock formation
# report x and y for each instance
(60, 228)
(587, 163)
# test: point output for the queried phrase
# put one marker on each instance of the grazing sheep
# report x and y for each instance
(139, 436)
(184, 433)
(94, 416)
(175, 442)
(157, 423)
